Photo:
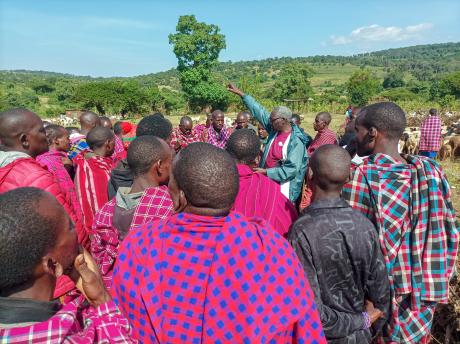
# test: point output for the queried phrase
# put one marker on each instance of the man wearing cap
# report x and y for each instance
(285, 157)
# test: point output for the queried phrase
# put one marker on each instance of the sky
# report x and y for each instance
(127, 38)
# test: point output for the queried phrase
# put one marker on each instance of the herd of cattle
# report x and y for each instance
(450, 145)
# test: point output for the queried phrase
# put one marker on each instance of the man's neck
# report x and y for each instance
(41, 290)
(100, 152)
(389, 148)
(84, 131)
(286, 129)
(205, 211)
(141, 183)
(321, 195)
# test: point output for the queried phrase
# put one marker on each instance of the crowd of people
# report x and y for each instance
(251, 233)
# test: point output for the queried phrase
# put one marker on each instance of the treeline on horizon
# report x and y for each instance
(416, 77)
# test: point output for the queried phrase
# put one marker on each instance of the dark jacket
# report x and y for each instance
(121, 176)
(340, 252)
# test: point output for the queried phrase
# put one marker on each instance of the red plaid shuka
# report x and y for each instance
(217, 139)
(323, 137)
(203, 279)
(74, 324)
(178, 136)
(155, 204)
(430, 134)
(91, 181)
(410, 205)
(119, 153)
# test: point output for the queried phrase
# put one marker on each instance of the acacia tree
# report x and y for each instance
(197, 46)
(361, 87)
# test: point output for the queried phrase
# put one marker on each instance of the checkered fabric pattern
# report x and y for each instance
(177, 136)
(411, 207)
(430, 134)
(323, 137)
(78, 146)
(74, 323)
(155, 204)
(217, 139)
(198, 279)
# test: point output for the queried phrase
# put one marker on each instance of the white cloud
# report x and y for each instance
(377, 33)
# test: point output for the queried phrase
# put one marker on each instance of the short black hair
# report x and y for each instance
(117, 128)
(25, 236)
(296, 116)
(98, 136)
(70, 129)
(54, 131)
(433, 111)
(326, 116)
(154, 125)
(143, 152)
(387, 117)
(331, 166)
(105, 119)
(207, 175)
(244, 145)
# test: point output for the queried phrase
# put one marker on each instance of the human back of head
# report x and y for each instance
(155, 125)
(205, 178)
(147, 152)
(244, 146)
(101, 139)
(22, 130)
(28, 230)
(89, 120)
(330, 167)
(105, 122)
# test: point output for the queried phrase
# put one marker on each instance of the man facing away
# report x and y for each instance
(258, 195)
(119, 153)
(145, 201)
(152, 125)
(184, 135)
(217, 134)
(88, 121)
(340, 252)
(430, 135)
(408, 200)
(285, 156)
(209, 275)
(38, 245)
(93, 172)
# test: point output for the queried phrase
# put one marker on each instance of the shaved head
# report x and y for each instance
(105, 122)
(330, 165)
(186, 121)
(325, 116)
(98, 136)
(89, 120)
(22, 130)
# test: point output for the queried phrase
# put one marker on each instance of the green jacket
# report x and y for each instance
(292, 169)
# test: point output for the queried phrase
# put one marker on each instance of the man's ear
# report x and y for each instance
(372, 132)
(24, 140)
(309, 173)
(52, 267)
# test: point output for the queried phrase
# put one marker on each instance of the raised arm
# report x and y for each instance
(256, 109)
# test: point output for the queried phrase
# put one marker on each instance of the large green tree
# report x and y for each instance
(361, 87)
(197, 46)
(293, 83)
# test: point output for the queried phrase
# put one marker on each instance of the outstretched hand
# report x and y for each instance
(90, 280)
(232, 88)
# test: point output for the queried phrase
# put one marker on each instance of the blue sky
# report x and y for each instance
(126, 38)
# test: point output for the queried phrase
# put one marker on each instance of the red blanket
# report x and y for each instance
(91, 180)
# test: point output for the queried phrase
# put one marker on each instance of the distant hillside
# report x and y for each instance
(435, 58)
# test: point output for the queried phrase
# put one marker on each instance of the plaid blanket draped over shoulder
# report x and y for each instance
(410, 205)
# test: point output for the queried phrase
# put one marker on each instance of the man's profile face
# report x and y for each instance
(38, 144)
(319, 123)
(364, 143)
(218, 121)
